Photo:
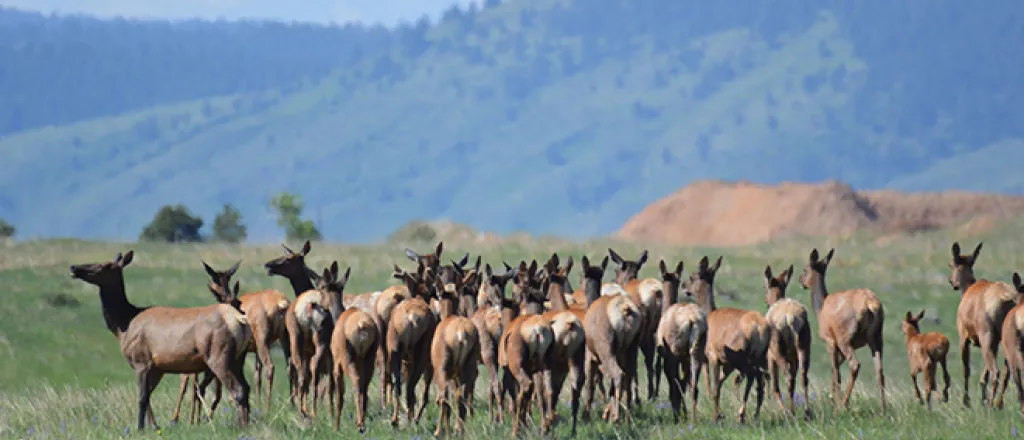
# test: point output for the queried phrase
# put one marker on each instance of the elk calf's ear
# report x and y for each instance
(209, 271)
(127, 259)
(306, 248)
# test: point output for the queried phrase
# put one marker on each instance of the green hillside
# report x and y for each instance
(550, 116)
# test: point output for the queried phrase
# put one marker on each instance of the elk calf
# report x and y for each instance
(680, 339)
(491, 318)
(455, 355)
(354, 344)
(925, 350)
(791, 337)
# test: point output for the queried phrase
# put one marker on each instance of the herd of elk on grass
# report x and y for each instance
(443, 320)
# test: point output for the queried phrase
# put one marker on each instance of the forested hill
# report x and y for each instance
(550, 116)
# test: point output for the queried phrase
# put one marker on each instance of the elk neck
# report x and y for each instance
(591, 289)
(818, 291)
(556, 294)
(300, 284)
(671, 290)
(118, 312)
(705, 293)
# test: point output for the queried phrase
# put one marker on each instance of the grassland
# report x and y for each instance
(63, 377)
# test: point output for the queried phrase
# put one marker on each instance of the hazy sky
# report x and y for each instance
(384, 11)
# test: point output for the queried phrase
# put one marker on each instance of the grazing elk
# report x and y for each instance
(647, 294)
(495, 312)
(681, 337)
(791, 337)
(354, 342)
(454, 354)
(736, 340)
(847, 320)
(925, 350)
(1013, 335)
(612, 326)
(983, 307)
(568, 351)
(161, 340)
(408, 337)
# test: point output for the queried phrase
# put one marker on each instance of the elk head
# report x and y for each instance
(961, 267)
(775, 287)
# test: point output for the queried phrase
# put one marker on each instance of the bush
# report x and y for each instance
(173, 224)
(7, 230)
(228, 226)
(289, 216)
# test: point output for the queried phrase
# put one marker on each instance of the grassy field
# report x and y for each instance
(62, 375)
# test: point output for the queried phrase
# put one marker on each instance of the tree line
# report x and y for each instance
(177, 224)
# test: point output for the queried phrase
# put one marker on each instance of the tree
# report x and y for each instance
(173, 224)
(7, 230)
(228, 226)
(289, 216)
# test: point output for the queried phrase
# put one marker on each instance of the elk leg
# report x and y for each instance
(917, 391)
(147, 381)
(851, 357)
(929, 383)
(395, 367)
(945, 378)
(427, 378)
(201, 392)
(1006, 381)
(522, 398)
(716, 387)
(965, 357)
(759, 377)
(698, 364)
(1020, 387)
(149, 410)
(775, 366)
(804, 359)
(266, 363)
(576, 369)
(231, 374)
(365, 374)
(675, 388)
(658, 365)
(181, 396)
(989, 358)
(876, 355)
(794, 368)
(467, 377)
(837, 360)
(589, 369)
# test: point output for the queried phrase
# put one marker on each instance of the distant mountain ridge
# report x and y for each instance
(545, 116)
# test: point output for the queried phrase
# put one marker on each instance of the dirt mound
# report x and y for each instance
(717, 213)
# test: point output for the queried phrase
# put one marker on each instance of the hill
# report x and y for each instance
(554, 116)
(715, 213)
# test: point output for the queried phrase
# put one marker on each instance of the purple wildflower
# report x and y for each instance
(1013, 431)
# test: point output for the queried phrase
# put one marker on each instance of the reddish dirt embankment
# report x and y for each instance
(717, 213)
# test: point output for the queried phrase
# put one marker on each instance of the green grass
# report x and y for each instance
(63, 375)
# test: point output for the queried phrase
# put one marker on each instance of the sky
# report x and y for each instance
(387, 12)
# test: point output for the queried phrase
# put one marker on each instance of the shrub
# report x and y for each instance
(173, 224)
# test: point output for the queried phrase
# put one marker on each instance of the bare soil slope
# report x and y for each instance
(717, 213)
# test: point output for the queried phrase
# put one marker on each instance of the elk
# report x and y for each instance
(454, 354)
(382, 308)
(737, 339)
(490, 319)
(791, 337)
(680, 339)
(1013, 334)
(265, 311)
(648, 295)
(522, 351)
(432, 261)
(925, 350)
(983, 307)
(160, 340)
(292, 266)
(310, 322)
(847, 320)
(612, 326)
(354, 342)
(568, 350)
(408, 337)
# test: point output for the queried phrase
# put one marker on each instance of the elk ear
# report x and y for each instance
(507, 267)
(438, 249)
(127, 259)
(814, 256)
(1016, 280)
(233, 269)
(334, 270)
(533, 268)
(209, 271)
(306, 248)
(718, 264)
(768, 272)
(476, 266)
(568, 265)
(604, 263)
(703, 264)
(679, 269)
(919, 315)
(287, 249)
(585, 262)
(956, 250)
(828, 257)
(643, 258)
(326, 277)
(488, 271)
(344, 278)
(615, 256)
(464, 260)
(787, 274)
(974, 255)
(237, 288)
(909, 317)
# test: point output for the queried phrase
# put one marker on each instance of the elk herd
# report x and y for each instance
(441, 322)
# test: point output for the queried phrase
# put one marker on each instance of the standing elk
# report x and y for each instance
(647, 294)
(160, 340)
(737, 340)
(1013, 335)
(925, 350)
(847, 320)
(522, 351)
(292, 266)
(494, 314)
(382, 308)
(354, 342)
(681, 337)
(568, 351)
(408, 337)
(454, 355)
(791, 337)
(983, 308)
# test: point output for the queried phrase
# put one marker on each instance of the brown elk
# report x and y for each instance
(310, 322)
(568, 351)
(737, 339)
(265, 311)
(522, 351)
(983, 307)
(161, 340)
(847, 320)
(926, 351)
(454, 353)
(647, 294)
(494, 313)
(382, 308)
(292, 266)
(612, 326)
(354, 342)
(407, 340)
(791, 337)
(1013, 334)
(680, 338)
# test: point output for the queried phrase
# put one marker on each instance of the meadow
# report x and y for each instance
(62, 375)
